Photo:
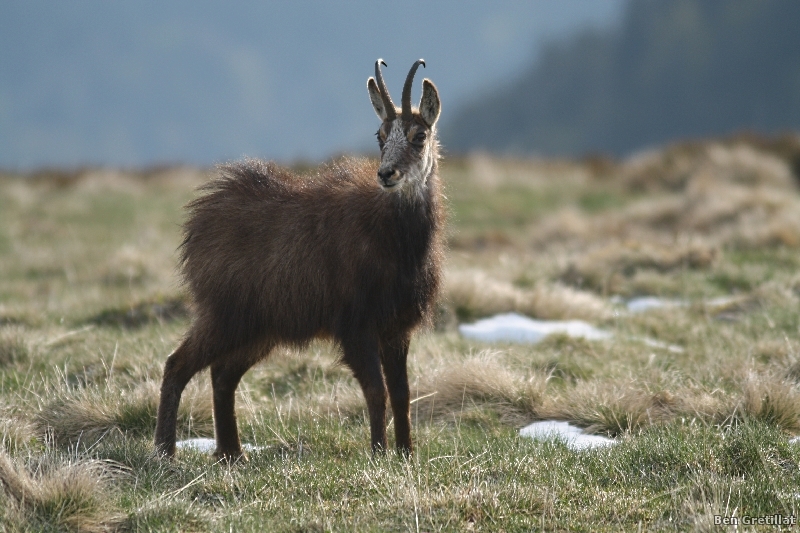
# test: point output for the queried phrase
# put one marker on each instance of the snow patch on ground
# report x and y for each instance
(512, 327)
(674, 348)
(646, 303)
(572, 436)
(722, 301)
(206, 445)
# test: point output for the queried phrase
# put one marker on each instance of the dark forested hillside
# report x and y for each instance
(683, 68)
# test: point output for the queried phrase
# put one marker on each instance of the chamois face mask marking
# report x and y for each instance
(411, 163)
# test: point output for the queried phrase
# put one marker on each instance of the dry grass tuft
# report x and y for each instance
(559, 302)
(674, 167)
(732, 308)
(772, 400)
(479, 382)
(86, 415)
(615, 408)
(16, 433)
(14, 347)
(609, 409)
(606, 268)
(72, 497)
(474, 294)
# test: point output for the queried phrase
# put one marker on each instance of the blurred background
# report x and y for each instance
(133, 85)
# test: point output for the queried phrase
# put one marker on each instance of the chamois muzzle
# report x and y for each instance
(389, 177)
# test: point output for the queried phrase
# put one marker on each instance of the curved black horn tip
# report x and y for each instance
(382, 62)
(421, 62)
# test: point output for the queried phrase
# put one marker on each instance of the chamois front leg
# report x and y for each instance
(361, 355)
(394, 354)
(225, 377)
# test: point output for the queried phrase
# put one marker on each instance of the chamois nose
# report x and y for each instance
(385, 174)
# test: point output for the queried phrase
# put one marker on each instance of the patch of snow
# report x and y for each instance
(199, 445)
(572, 436)
(674, 348)
(512, 327)
(646, 303)
(794, 440)
(206, 445)
(722, 301)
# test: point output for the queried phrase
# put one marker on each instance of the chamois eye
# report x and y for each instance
(420, 137)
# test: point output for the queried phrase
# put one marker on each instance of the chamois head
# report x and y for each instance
(407, 136)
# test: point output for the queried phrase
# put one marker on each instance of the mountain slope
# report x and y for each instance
(670, 70)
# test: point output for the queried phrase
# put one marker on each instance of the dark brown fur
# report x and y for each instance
(273, 258)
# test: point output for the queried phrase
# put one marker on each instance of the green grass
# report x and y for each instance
(506, 206)
(90, 307)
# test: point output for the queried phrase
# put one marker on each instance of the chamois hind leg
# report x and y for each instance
(361, 355)
(184, 363)
(394, 354)
(225, 376)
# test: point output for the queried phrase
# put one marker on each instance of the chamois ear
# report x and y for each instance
(429, 105)
(375, 98)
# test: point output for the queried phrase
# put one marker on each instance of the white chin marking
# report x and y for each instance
(393, 186)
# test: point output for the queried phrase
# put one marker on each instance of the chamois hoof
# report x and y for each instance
(163, 453)
(404, 453)
(378, 450)
(231, 457)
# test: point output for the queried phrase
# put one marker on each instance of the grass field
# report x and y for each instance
(90, 307)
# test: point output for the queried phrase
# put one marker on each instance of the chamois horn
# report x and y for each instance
(391, 114)
(406, 100)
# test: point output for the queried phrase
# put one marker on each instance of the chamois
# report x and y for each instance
(350, 253)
